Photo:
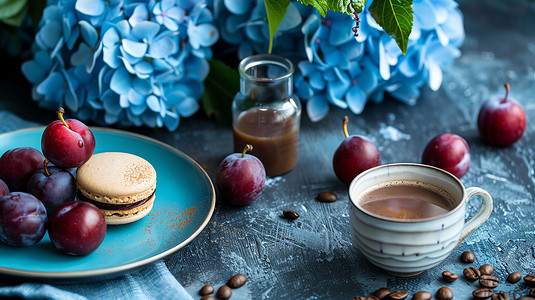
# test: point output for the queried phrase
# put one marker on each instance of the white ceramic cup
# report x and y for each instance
(407, 247)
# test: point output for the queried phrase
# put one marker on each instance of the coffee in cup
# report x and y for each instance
(406, 199)
(407, 218)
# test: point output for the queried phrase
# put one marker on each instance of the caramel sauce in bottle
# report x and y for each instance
(266, 114)
(275, 139)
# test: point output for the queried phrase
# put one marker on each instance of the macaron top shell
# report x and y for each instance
(116, 177)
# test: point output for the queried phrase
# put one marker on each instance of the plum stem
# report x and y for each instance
(60, 112)
(507, 88)
(248, 147)
(344, 126)
(45, 163)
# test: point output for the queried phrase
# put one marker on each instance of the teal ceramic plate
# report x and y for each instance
(185, 201)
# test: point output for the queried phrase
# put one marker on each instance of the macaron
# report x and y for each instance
(121, 185)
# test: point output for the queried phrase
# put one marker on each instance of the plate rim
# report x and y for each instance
(135, 264)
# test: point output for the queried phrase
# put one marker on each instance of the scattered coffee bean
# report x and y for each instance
(483, 293)
(529, 280)
(359, 298)
(206, 290)
(207, 297)
(237, 281)
(381, 293)
(327, 197)
(532, 292)
(422, 295)
(486, 269)
(514, 277)
(523, 297)
(467, 257)
(224, 292)
(449, 276)
(444, 293)
(397, 295)
(290, 214)
(488, 281)
(471, 273)
(500, 296)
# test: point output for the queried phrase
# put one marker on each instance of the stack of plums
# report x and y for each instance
(37, 192)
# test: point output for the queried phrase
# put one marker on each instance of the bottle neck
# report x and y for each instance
(267, 91)
(266, 78)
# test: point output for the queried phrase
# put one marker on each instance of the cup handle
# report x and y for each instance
(481, 216)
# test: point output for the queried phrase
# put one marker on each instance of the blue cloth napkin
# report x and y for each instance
(150, 282)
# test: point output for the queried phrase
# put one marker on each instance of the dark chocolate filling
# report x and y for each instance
(109, 206)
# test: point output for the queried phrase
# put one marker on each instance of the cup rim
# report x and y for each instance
(422, 220)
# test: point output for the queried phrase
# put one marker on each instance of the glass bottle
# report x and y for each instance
(266, 114)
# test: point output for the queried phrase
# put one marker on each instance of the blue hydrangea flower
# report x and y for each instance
(98, 11)
(169, 14)
(129, 62)
(243, 24)
(365, 67)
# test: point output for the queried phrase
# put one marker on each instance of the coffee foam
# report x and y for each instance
(413, 183)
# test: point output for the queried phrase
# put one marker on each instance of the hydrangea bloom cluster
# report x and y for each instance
(119, 61)
(335, 67)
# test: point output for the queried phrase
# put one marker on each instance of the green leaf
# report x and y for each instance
(275, 9)
(15, 20)
(337, 5)
(395, 16)
(11, 8)
(220, 87)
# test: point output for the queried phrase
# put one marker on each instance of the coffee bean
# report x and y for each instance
(449, 276)
(514, 277)
(326, 197)
(523, 297)
(207, 297)
(224, 292)
(381, 293)
(486, 269)
(359, 298)
(290, 214)
(532, 292)
(529, 280)
(500, 296)
(444, 293)
(471, 273)
(397, 295)
(482, 293)
(206, 290)
(467, 257)
(489, 281)
(422, 295)
(237, 281)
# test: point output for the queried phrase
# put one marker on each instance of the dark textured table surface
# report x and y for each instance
(314, 256)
